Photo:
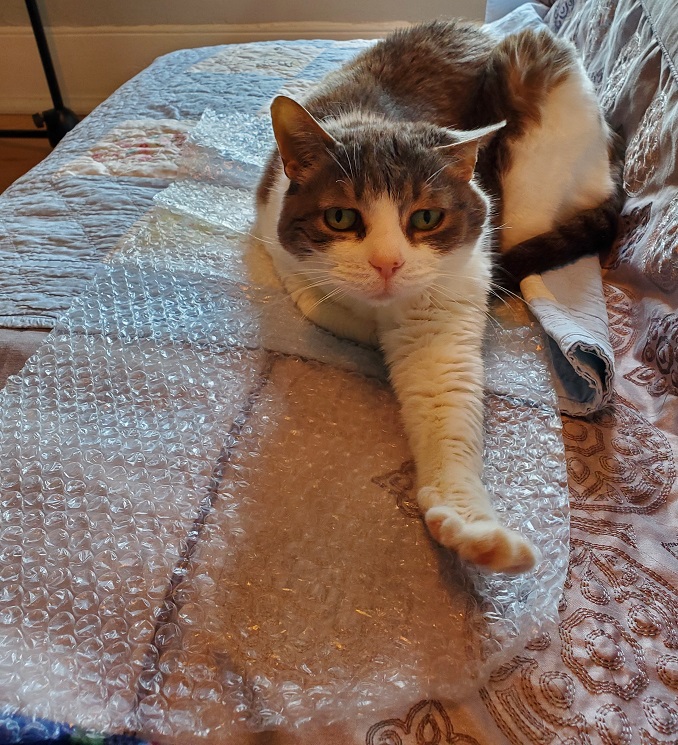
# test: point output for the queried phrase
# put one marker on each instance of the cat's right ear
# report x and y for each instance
(298, 135)
(463, 153)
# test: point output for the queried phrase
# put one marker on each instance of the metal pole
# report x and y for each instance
(45, 56)
(59, 120)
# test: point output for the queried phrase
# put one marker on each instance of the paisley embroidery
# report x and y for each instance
(661, 715)
(607, 656)
(667, 669)
(649, 602)
(588, 526)
(543, 641)
(619, 311)
(533, 709)
(610, 469)
(660, 258)
(620, 73)
(630, 237)
(642, 155)
(613, 725)
(597, 28)
(659, 374)
(559, 12)
(427, 723)
(558, 689)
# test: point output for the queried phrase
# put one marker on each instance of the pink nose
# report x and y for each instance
(386, 267)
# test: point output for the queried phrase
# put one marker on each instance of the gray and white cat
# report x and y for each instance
(381, 210)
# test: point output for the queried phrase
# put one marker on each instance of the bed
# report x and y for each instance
(143, 575)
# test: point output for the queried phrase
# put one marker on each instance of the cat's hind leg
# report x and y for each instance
(559, 166)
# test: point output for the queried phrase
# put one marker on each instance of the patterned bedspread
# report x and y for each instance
(608, 673)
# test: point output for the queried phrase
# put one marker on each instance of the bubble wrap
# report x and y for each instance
(208, 516)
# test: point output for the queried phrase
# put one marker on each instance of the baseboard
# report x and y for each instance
(92, 62)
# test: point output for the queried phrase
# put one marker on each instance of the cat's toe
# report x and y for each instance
(444, 524)
(491, 546)
(485, 544)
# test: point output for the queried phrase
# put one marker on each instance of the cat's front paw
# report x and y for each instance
(485, 543)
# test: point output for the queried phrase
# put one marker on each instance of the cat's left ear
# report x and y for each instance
(463, 153)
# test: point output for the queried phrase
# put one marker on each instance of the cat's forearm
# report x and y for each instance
(437, 373)
(435, 361)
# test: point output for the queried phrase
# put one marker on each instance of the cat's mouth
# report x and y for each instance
(384, 293)
(375, 292)
(373, 295)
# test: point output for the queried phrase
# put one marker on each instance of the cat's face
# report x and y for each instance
(379, 211)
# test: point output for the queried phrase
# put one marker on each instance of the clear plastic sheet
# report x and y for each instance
(207, 509)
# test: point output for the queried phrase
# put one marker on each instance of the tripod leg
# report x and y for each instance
(58, 120)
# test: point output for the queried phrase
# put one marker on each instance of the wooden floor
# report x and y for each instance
(17, 156)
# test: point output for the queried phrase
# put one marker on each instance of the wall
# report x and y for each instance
(199, 12)
(99, 44)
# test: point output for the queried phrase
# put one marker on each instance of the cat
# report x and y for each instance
(433, 162)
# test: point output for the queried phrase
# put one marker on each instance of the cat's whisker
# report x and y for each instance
(501, 289)
(491, 289)
(478, 308)
(350, 165)
(445, 292)
(313, 285)
(348, 160)
(498, 297)
(308, 268)
(494, 288)
(317, 277)
(249, 234)
(355, 157)
(261, 239)
(325, 298)
(338, 162)
(433, 175)
(314, 275)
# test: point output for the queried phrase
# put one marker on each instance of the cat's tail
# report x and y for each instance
(591, 231)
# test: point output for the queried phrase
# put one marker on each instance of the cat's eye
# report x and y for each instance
(426, 219)
(338, 218)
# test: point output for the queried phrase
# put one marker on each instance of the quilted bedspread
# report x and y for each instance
(607, 671)
(104, 175)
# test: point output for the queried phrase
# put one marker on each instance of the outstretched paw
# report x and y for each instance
(484, 542)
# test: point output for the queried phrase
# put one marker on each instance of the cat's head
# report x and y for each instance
(379, 210)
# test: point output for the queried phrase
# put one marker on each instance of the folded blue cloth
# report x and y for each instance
(570, 305)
